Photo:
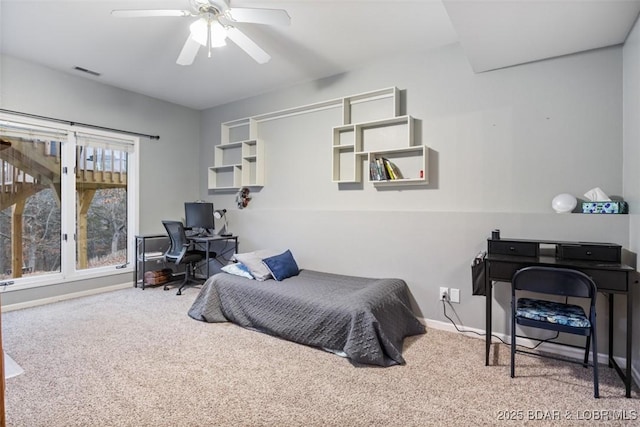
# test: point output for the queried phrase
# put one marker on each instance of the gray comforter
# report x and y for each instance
(367, 319)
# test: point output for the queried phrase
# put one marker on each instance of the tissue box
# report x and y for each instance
(605, 207)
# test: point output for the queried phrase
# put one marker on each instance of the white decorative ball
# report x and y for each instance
(564, 203)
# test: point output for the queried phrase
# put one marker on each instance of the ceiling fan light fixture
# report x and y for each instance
(199, 30)
(214, 25)
(218, 35)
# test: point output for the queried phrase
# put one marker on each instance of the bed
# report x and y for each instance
(361, 318)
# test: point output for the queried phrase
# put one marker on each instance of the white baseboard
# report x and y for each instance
(558, 350)
(57, 298)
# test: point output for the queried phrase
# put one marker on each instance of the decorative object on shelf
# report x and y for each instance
(243, 198)
(596, 195)
(605, 207)
(222, 214)
(564, 203)
(600, 203)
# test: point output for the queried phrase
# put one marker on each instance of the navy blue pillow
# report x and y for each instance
(282, 266)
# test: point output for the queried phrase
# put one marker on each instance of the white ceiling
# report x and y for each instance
(326, 37)
(496, 34)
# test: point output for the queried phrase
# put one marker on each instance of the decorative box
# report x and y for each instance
(158, 277)
(605, 207)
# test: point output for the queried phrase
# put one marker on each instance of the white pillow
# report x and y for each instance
(253, 261)
(261, 253)
(237, 269)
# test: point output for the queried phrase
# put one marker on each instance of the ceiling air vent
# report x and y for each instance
(84, 70)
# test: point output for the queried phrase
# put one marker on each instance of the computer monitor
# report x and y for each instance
(199, 217)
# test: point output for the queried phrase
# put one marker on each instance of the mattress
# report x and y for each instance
(367, 319)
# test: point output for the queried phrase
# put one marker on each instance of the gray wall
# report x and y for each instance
(631, 136)
(166, 165)
(504, 143)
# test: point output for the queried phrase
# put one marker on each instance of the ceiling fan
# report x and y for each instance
(214, 25)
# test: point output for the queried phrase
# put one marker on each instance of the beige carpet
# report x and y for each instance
(134, 358)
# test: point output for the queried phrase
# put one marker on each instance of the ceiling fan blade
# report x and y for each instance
(143, 13)
(259, 16)
(188, 52)
(248, 45)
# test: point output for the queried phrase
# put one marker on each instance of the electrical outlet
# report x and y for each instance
(454, 295)
(444, 293)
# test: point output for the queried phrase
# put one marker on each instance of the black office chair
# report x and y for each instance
(555, 316)
(179, 253)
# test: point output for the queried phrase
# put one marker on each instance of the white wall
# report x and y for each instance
(166, 166)
(631, 136)
(504, 143)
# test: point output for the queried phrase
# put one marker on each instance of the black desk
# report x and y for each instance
(208, 240)
(610, 278)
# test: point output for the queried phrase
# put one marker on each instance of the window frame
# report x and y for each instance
(68, 272)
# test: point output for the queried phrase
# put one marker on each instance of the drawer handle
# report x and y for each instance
(589, 253)
(511, 248)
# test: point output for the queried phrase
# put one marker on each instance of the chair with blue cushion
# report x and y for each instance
(555, 316)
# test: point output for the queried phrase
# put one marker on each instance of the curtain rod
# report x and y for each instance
(35, 116)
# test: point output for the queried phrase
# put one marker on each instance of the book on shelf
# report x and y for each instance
(388, 169)
(384, 170)
(392, 170)
(373, 171)
(377, 171)
(384, 175)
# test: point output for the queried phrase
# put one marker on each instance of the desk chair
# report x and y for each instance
(554, 316)
(179, 253)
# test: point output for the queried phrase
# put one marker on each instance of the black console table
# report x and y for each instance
(601, 261)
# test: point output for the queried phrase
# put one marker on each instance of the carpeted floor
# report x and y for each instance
(134, 358)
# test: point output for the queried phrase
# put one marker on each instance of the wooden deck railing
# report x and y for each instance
(99, 167)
